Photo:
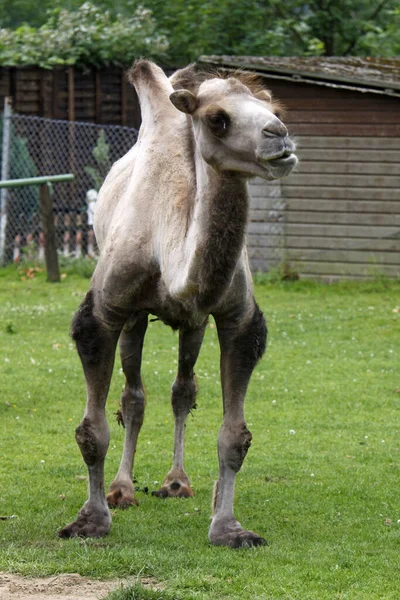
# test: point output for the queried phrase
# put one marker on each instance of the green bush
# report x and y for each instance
(21, 165)
(88, 36)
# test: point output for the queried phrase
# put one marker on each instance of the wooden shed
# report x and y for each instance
(338, 215)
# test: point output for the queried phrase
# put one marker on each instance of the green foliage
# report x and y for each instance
(176, 32)
(86, 36)
(21, 165)
(138, 592)
(10, 327)
(290, 28)
(101, 155)
(82, 267)
(282, 273)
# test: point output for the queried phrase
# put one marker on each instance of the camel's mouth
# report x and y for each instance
(281, 165)
(288, 158)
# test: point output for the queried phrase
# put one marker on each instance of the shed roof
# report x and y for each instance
(364, 74)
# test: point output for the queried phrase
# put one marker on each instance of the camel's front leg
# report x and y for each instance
(96, 346)
(183, 398)
(121, 492)
(241, 348)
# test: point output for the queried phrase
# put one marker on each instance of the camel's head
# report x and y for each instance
(237, 128)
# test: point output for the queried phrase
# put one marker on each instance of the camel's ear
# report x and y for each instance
(184, 101)
(263, 95)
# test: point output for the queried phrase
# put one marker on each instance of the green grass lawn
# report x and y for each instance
(321, 481)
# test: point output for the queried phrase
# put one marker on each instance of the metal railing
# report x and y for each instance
(48, 244)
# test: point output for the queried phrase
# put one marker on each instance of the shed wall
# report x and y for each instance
(342, 204)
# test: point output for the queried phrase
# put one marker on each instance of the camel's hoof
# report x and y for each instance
(121, 496)
(174, 489)
(89, 523)
(232, 535)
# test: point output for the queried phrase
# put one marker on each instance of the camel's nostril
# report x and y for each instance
(275, 128)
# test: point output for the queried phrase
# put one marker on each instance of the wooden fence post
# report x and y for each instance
(47, 218)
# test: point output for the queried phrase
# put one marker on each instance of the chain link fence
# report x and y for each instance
(38, 147)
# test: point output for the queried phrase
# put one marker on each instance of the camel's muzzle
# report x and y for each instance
(277, 156)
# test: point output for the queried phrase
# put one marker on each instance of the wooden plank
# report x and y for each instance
(265, 193)
(342, 218)
(340, 256)
(29, 73)
(267, 216)
(340, 193)
(30, 95)
(370, 143)
(360, 117)
(258, 265)
(350, 231)
(98, 96)
(371, 181)
(353, 269)
(315, 102)
(349, 168)
(88, 115)
(123, 84)
(380, 155)
(29, 108)
(262, 253)
(263, 241)
(385, 130)
(347, 206)
(266, 203)
(84, 97)
(71, 94)
(326, 242)
(299, 89)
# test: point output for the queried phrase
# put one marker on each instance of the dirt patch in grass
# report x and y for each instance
(60, 587)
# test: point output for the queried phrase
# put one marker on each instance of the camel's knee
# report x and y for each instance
(132, 406)
(88, 332)
(250, 344)
(233, 444)
(92, 440)
(183, 397)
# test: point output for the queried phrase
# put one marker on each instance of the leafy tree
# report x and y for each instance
(86, 36)
(178, 31)
(341, 27)
(273, 27)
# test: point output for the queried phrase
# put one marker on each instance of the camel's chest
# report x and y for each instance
(175, 313)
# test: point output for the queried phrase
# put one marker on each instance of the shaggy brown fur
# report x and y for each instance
(191, 77)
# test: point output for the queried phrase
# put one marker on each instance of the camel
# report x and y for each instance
(170, 223)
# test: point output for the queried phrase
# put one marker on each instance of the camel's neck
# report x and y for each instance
(216, 234)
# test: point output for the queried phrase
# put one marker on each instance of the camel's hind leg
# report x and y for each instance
(121, 492)
(183, 398)
(96, 343)
(242, 345)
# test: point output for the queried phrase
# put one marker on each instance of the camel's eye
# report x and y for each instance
(218, 122)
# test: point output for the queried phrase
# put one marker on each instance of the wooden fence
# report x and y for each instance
(96, 96)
